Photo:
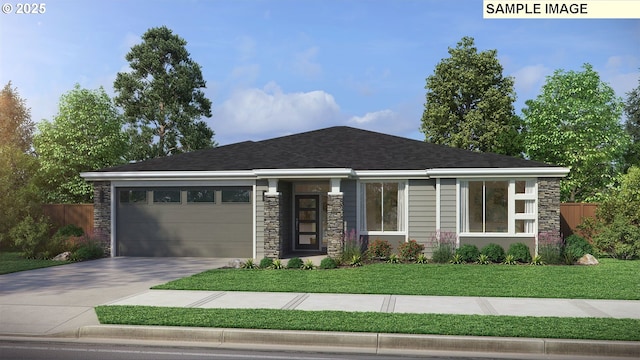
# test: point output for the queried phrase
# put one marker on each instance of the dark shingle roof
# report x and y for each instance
(334, 147)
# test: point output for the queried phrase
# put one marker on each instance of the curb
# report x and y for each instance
(372, 343)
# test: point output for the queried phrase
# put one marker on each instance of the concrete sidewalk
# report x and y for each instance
(621, 309)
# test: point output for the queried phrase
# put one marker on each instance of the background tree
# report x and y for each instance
(16, 127)
(17, 164)
(85, 135)
(162, 97)
(575, 122)
(469, 104)
(632, 126)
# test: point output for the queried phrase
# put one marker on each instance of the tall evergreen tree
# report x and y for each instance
(632, 126)
(469, 103)
(162, 97)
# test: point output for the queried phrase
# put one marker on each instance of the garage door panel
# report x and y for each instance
(186, 229)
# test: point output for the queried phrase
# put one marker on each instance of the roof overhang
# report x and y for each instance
(498, 172)
(325, 173)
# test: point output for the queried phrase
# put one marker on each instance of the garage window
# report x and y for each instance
(166, 196)
(133, 196)
(201, 195)
(232, 195)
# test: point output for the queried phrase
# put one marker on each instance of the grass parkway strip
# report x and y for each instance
(435, 324)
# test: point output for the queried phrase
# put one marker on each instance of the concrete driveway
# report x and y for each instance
(60, 299)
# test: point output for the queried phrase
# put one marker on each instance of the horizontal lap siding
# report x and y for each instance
(261, 188)
(448, 205)
(505, 242)
(422, 210)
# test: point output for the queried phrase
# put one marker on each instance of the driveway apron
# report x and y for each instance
(60, 299)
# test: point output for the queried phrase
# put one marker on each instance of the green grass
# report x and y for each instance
(464, 325)
(612, 279)
(11, 262)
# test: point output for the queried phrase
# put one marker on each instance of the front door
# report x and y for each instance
(307, 224)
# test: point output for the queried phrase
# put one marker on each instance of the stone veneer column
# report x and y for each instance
(549, 205)
(102, 213)
(272, 226)
(335, 224)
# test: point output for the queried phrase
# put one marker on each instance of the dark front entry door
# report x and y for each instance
(307, 224)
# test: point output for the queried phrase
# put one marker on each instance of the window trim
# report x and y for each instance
(512, 216)
(402, 221)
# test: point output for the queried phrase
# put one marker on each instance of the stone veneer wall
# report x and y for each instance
(335, 225)
(102, 213)
(549, 205)
(272, 226)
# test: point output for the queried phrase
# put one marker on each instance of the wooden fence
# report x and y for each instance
(571, 215)
(77, 214)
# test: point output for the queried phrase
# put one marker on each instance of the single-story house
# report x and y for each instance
(300, 194)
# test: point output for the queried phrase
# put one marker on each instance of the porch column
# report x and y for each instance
(273, 247)
(102, 214)
(548, 207)
(335, 220)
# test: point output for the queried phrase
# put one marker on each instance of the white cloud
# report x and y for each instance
(621, 73)
(530, 78)
(373, 117)
(304, 63)
(254, 114)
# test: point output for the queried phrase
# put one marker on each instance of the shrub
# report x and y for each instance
(380, 249)
(352, 246)
(266, 263)
(468, 253)
(69, 231)
(510, 260)
(248, 264)
(356, 260)
(520, 252)
(576, 247)
(443, 244)
(30, 237)
(308, 265)
(537, 260)
(294, 263)
(421, 259)
(393, 259)
(88, 250)
(550, 248)
(410, 250)
(457, 259)
(620, 239)
(328, 263)
(483, 259)
(277, 264)
(494, 252)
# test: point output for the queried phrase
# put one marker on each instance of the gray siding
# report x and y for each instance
(448, 205)
(350, 190)
(422, 210)
(184, 229)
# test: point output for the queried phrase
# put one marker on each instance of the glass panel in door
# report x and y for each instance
(307, 217)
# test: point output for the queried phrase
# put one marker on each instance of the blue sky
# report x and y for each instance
(279, 67)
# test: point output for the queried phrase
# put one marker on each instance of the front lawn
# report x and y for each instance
(442, 324)
(612, 279)
(11, 262)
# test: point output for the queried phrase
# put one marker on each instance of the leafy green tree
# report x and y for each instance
(632, 126)
(16, 127)
(17, 186)
(18, 195)
(469, 103)
(575, 122)
(162, 97)
(85, 135)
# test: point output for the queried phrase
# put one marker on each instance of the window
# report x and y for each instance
(133, 196)
(382, 206)
(201, 195)
(498, 206)
(166, 196)
(235, 195)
